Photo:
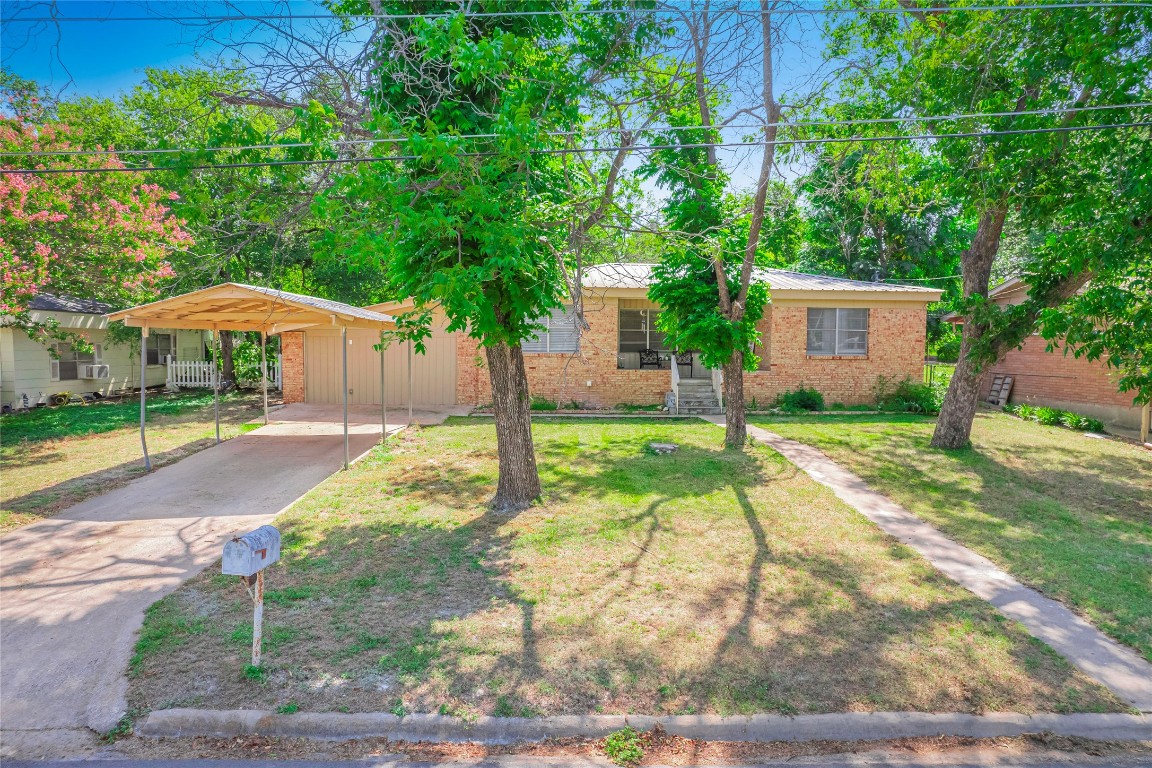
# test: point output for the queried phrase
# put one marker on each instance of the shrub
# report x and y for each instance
(624, 747)
(543, 404)
(1054, 417)
(909, 396)
(800, 399)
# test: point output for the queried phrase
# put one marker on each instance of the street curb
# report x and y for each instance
(851, 726)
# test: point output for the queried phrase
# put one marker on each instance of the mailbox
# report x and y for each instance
(247, 555)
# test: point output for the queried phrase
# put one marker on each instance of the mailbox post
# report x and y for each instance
(247, 556)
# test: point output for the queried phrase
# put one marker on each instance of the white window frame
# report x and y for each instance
(55, 360)
(649, 316)
(171, 347)
(567, 337)
(838, 330)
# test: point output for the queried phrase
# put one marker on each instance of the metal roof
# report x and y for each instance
(51, 303)
(239, 307)
(632, 275)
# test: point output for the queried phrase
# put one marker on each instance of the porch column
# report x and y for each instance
(144, 394)
(409, 383)
(216, 350)
(344, 357)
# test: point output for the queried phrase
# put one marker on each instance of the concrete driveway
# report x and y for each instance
(73, 588)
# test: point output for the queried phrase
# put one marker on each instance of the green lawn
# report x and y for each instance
(101, 416)
(1066, 513)
(704, 581)
(52, 458)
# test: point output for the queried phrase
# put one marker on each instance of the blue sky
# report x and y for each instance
(104, 58)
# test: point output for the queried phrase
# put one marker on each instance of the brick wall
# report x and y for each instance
(896, 343)
(292, 377)
(1052, 378)
(896, 351)
(589, 377)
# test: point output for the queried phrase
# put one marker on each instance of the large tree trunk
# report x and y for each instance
(519, 482)
(227, 364)
(735, 419)
(954, 426)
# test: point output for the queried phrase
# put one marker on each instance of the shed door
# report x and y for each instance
(433, 373)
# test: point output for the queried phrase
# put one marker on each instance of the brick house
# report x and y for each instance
(836, 335)
(1056, 379)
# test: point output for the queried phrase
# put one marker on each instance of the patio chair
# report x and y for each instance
(650, 358)
(685, 358)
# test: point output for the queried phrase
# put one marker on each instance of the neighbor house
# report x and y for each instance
(29, 374)
(836, 335)
(1055, 378)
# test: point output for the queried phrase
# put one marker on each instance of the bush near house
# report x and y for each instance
(1054, 417)
(801, 399)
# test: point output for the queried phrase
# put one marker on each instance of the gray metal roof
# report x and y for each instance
(51, 303)
(630, 275)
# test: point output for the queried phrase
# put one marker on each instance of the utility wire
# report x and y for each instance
(402, 139)
(586, 11)
(587, 150)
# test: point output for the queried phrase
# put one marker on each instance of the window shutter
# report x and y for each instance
(537, 343)
(564, 336)
(54, 364)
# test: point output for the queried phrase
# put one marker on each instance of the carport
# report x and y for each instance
(238, 307)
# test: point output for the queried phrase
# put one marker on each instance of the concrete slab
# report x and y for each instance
(73, 588)
(1119, 668)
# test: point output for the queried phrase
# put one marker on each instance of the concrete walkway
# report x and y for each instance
(73, 588)
(1122, 670)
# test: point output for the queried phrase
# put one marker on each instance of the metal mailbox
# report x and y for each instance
(247, 555)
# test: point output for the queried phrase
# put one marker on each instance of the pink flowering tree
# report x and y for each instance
(101, 236)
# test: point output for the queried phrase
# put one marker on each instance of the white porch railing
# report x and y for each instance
(190, 374)
(718, 386)
(197, 374)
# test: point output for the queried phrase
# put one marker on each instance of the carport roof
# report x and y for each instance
(238, 307)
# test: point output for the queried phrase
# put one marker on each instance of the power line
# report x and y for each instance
(588, 150)
(402, 139)
(588, 11)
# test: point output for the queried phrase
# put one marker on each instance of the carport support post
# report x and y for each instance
(344, 349)
(409, 383)
(264, 371)
(383, 396)
(143, 394)
(216, 379)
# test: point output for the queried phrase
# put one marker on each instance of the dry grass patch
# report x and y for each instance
(703, 581)
(1066, 513)
(43, 476)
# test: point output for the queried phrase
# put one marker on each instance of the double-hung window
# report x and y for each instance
(561, 335)
(159, 348)
(837, 332)
(66, 365)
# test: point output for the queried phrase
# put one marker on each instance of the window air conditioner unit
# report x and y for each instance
(98, 371)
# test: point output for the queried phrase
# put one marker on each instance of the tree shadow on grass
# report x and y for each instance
(646, 584)
(1071, 523)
